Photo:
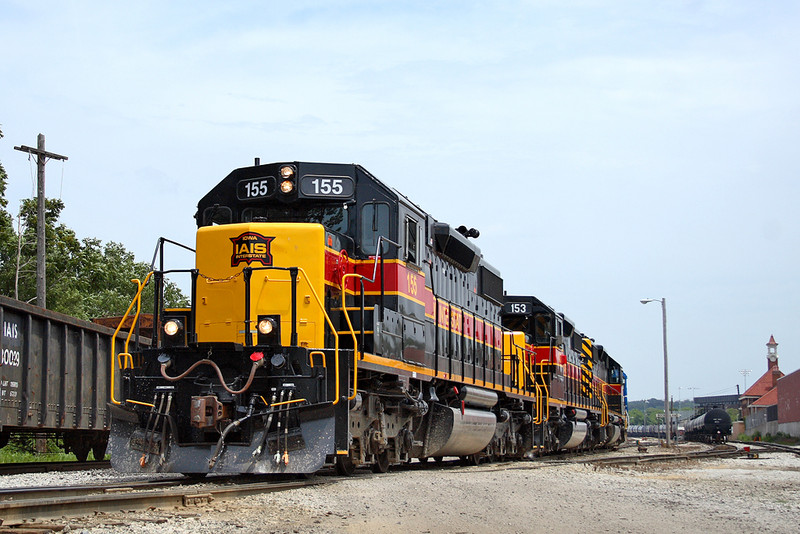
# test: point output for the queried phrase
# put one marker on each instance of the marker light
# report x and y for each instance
(172, 327)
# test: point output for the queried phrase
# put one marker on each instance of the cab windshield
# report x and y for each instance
(331, 217)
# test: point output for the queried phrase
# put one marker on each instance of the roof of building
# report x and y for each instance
(770, 399)
(761, 386)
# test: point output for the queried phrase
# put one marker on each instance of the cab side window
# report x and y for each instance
(374, 223)
(411, 241)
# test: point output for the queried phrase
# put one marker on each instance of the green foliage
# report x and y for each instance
(7, 234)
(85, 278)
(786, 439)
(635, 417)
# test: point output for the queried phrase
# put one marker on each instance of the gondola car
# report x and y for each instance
(334, 322)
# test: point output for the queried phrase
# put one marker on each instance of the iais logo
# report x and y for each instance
(250, 247)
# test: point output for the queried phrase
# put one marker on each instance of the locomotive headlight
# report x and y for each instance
(287, 186)
(268, 330)
(172, 327)
(266, 326)
(287, 172)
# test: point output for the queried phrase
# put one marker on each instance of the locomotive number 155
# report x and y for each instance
(327, 186)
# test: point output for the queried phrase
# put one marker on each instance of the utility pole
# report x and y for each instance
(41, 158)
(744, 373)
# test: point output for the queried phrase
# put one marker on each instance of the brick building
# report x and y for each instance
(760, 401)
(789, 404)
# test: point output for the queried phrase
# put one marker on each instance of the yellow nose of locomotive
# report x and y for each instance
(223, 252)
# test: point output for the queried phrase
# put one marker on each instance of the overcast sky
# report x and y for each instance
(607, 151)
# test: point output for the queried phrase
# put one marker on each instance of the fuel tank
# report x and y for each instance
(572, 433)
(451, 432)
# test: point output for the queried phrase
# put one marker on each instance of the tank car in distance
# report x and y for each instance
(713, 426)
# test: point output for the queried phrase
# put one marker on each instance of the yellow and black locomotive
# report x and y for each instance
(333, 322)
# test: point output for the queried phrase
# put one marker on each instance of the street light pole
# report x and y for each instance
(667, 415)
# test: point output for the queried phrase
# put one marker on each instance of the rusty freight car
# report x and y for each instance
(54, 373)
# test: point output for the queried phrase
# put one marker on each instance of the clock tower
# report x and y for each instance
(772, 353)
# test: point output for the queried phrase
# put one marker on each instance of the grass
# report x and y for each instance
(11, 455)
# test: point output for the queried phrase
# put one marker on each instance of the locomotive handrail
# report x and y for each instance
(604, 404)
(311, 358)
(525, 366)
(293, 272)
(379, 254)
(353, 333)
(542, 401)
(545, 408)
(137, 299)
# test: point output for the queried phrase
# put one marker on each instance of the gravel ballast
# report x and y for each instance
(726, 496)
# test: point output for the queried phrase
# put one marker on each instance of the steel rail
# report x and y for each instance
(46, 467)
(642, 459)
(779, 447)
(24, 510)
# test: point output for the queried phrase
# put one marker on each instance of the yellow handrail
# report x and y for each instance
(542, 401)
(330, 324)
(545, 408)
(311, 358)
(137, 299)
(352, 333)
(603, 406)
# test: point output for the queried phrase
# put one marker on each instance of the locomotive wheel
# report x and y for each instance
(381, 464)
(344, 466)
(423, 460)
(438, 459)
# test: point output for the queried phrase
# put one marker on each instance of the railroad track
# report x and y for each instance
(19, 507)
(31, 506)
(720, 451)
(26, 506)
(48, 467)
(770, 446)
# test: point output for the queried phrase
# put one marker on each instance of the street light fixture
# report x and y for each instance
(667, 415)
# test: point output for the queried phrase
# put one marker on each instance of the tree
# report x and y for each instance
(635, 417)
(85, 278)
(7, 234)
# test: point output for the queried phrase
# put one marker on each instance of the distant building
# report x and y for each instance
(760, 401)
(789, 404)
(704, 404)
